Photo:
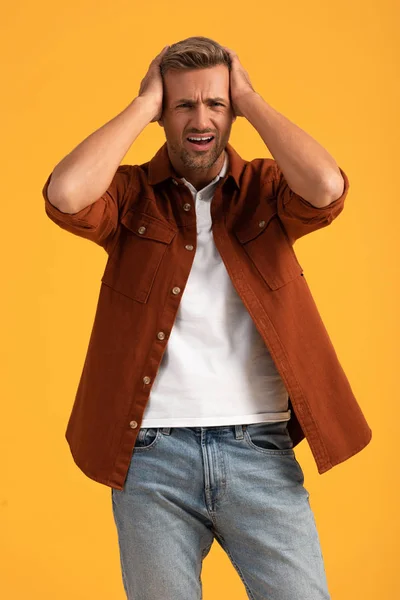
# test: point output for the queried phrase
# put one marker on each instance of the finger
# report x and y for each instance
(232, 56)
(163, 51)
(229, 51)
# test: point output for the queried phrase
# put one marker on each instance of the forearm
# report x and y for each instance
(82, 176)
(311, 172)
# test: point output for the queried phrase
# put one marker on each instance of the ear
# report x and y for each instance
(161, 119)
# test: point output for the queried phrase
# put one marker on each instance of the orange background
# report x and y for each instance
(332, 68)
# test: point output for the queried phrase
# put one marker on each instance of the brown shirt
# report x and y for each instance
(146, 222)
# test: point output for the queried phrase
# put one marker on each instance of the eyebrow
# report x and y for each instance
(188, 101)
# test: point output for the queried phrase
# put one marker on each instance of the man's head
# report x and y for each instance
(196, 101)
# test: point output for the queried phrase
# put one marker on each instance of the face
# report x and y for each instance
(197, 102)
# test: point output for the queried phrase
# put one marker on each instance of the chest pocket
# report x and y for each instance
(266, 244)
(133, 264)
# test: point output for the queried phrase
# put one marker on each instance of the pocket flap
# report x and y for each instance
(146, 226)
(271, 253)
(256, 226)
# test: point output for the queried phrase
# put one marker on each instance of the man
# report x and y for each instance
(208, 361)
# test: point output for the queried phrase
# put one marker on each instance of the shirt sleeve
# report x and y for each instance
(97, 222)
(297, 215)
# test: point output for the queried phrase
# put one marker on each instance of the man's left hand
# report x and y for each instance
(240, 84)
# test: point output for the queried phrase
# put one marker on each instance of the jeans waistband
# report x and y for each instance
(238, 429)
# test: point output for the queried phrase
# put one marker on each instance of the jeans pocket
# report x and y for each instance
(269, 438)
(147, 438)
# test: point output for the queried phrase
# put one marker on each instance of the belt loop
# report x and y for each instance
(166, 430)
(239, 429)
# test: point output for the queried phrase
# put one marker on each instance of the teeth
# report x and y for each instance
(200, 139)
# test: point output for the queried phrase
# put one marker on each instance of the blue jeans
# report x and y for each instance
(239, 484)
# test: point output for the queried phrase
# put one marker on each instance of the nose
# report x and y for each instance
(200, 117)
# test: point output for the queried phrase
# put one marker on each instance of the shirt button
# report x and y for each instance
(187, 207)
(146, 379)
(176, 290)
(189, 247)
(261, 224)
(142, 230)
(161, 335)
(133, 424)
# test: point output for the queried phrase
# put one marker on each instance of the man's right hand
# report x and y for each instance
(151, 86)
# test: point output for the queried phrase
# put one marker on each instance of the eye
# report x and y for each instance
(213, 103)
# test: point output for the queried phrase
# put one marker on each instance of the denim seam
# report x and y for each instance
(222, 542)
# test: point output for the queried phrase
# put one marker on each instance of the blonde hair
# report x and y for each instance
(196, 52)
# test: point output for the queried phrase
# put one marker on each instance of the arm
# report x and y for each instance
(85, 174)
(307, 167)
(87, 192)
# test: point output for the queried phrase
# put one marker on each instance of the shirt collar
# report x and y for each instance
(160, 167)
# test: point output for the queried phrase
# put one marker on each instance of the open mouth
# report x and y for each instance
(200, 142)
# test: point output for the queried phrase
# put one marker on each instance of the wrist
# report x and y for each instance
(147, 106)
(247, 101)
